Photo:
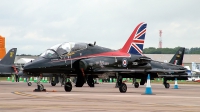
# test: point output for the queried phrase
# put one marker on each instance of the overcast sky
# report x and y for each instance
(32, 26)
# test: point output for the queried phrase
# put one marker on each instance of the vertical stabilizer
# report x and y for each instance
(9, 58)
(177, 59)
(135, 43)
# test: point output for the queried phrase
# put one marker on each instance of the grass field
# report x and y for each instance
(3, 78)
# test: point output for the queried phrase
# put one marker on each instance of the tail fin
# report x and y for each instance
(177, 59)
(135, 43)
(9, 58)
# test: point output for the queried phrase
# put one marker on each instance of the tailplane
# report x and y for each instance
(135, 43)
(9, 58)
(177, 59)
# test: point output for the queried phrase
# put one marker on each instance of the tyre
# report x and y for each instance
(68, 87)
(136, 84)
(123, 88)
(167, 85)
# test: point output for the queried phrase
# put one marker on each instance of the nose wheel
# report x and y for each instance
(40, 87)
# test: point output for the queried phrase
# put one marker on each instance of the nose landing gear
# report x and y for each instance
(40, 87)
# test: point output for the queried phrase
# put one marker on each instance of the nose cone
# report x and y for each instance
(28, 65)
(37, 63)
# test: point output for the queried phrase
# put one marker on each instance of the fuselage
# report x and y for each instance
(95, 56)
(92, 58)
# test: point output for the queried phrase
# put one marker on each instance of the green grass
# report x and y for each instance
(3, 78)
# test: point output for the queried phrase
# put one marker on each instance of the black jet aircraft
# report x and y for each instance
(83, 60)
(7, 66)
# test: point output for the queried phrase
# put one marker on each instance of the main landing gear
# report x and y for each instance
(53, 82)
(90, 81)
(67, 84)
(40, 87)
(167, 85)
(79, 83)
(136, 84)
(122, 86)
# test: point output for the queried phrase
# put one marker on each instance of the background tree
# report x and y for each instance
(153, 50)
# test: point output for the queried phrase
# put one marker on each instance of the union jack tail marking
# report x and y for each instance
(135, 43)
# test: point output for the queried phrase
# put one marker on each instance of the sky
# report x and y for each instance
(32, 26)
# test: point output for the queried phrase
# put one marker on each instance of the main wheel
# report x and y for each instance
(53, 83)
(136, 84)
(68, 87)
(29, 83)
(90, 81)
(167, 85)
(123, 88)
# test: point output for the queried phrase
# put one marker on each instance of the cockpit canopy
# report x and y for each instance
(62, 49)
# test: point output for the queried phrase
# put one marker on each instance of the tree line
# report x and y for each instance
(153, 50)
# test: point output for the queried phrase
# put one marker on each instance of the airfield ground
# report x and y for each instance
(18, 97)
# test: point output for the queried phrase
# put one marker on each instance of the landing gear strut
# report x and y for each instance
(167, 85)
(62, 80)
(122, 86)
(40, 87)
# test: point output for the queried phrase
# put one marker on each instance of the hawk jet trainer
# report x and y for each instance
(86, 60)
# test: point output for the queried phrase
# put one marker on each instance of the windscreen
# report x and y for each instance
(64, 48)
(49, 53)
